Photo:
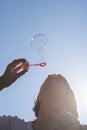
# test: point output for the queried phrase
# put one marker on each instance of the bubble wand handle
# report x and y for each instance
(42, 64)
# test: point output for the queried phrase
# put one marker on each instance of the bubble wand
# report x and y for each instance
(42, 64)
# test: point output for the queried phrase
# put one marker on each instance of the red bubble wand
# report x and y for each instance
(42, 64)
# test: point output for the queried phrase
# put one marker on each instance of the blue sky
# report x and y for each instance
(65, 24)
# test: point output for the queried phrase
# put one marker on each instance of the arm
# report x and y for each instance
(10, 77)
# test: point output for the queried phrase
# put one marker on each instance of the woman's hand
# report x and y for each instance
(9, 76)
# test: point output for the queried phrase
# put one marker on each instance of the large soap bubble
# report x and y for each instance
(39, 42)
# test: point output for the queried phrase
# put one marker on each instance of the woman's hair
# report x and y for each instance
(69, 98)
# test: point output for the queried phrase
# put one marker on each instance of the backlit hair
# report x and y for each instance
(69, 98)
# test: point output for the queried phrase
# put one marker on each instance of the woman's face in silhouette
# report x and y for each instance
(51, 97)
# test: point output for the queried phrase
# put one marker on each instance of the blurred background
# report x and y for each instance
(64, 22)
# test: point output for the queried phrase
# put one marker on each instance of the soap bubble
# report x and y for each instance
(38, 42)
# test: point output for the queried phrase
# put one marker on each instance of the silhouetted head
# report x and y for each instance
(55, 94)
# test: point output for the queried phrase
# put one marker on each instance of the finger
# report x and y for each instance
(20, 73)
(17, 61)
(20, 60)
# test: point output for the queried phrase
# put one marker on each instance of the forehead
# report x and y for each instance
(52, 88)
